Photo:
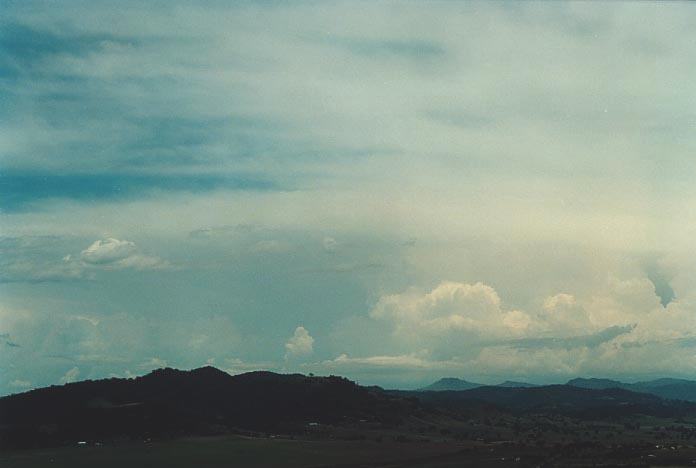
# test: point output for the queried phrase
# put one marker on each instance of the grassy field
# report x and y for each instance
(501, 441)
(232, 452)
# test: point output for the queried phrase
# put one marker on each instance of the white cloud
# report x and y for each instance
(153, 363)
(412, 361)
(108, 251)
(70, 376)
(300, 343)
(562, 313)
(18, 383)
(468, 329)
(474, 310)
(329, 244)
(270, 246)
(113, 253)
(549, 166)
(238, 366)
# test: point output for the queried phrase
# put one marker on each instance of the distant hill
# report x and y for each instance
(564, 399)
(455, 384)
(676, 389)
(450, 383)
(596, 384)
(170, 402)
(514, 384)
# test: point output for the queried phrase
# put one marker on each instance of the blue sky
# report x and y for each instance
(391, 191)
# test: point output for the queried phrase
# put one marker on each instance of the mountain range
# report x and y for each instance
(169, 403)
(674, 389)
(454, 383)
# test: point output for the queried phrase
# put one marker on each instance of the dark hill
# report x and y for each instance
(675, 389)
(597, 384)
(169, 402)
(514, 384)
(450, 383)
(564, 399)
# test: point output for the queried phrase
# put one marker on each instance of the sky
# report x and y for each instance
(390, 191)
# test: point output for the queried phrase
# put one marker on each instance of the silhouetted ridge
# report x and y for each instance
(565, 399)
(450, 383)
(675, 389)
(170, 402)
(514, 384)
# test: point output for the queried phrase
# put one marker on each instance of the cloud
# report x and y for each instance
(414, 361)
(37, 259)
(411, 49)
(561, 312)
(108, 251)
(329, 244)
(466, 327)
(18, 383)
(546, 191)
(24, 191)
(43, 259)
(585, 341)
(300, 343)
(153, 363)
(235, 366)
(270, 246)
(473, 311)
(70, 376)
(112, 253)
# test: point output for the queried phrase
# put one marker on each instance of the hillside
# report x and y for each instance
(450, 384)
(169, 402)
(675, 389)
(456, 384)
(557, 399)
(515, 384)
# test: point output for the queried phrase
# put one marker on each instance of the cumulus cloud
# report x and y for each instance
(300, 343)
(473, 310)
(19, 383)
(329, 244)
(412, 361)
(70, 376)
(115, 254)
(475, 166)
(238, 366)
(108, 251)
(153, 363)
(270, 246)
(468, 329)
(562, 312)
(37, 259)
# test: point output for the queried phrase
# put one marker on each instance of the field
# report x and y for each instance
(236, 451)
(207, 418)
(590, 445)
